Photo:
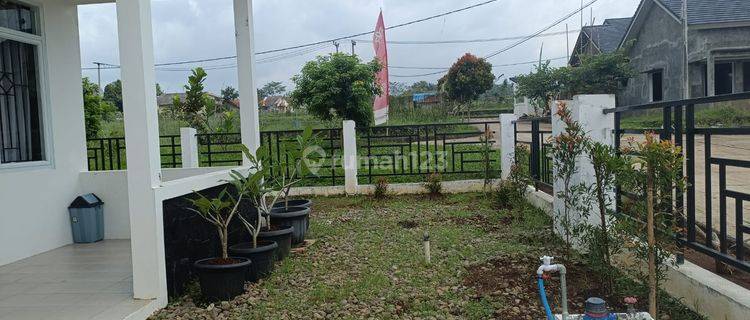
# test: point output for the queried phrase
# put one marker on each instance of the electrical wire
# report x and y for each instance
(317, 42)
(442, 70)
(540, 31)
(459, 41)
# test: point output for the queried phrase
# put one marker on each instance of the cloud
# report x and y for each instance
(204, 29)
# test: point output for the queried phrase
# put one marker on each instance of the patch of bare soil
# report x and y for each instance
(512, 279)
(408, 224)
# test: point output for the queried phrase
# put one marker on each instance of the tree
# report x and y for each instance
(468, 78)
(423, 86)
(599, 74)
(159, 92)
(272, 88)
(192, 110)
(398, 88)
(113, 93)
(229, 94)
(338, 85)
(95, 108)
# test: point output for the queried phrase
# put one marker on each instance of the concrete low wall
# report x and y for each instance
(699, 289)
(395, 189)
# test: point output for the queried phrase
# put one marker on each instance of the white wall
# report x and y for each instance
(34, 201)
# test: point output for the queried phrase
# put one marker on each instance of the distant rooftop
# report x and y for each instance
(608, 35)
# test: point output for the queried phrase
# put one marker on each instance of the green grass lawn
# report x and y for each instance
(368, 263)
(715, 116)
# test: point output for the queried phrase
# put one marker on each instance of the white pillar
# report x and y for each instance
(189, 148)
(351, 184)
(507, 143)
(142, 138)
(587, 110)
(243, 25)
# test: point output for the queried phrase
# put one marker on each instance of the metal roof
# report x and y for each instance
(711, 11)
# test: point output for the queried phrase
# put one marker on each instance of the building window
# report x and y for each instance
(746, 76)
(723, 78)
(21, 121)
(657, 88)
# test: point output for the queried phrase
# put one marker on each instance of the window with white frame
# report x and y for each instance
(21, 120)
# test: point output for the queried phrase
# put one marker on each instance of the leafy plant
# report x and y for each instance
(193, 109)
(255, 187)
(566, 149)
(602, 241)
(381, 188)
(220, 211)
(655, 174)
(519, 177)
(338, 86)
(300, 157)
(486, 152)
(434, 184)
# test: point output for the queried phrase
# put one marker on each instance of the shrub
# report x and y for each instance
(505, 196)
(381, 188)
(434, 184)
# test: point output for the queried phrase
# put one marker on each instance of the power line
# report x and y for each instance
(515, 44)
(481, 40)
(442, 70)
(329, 40)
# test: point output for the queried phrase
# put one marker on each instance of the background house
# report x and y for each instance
(164, 101)
(718, 50)
(604, 38)
(276, 104)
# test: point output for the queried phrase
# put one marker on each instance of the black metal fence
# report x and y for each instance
(406, 153)
(109, 153)
(536, 140)
(678, 124)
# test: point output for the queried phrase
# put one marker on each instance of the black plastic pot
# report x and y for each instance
(282, 237)
(307, 203)
(298, 217)
(262, 257)
(222, 282)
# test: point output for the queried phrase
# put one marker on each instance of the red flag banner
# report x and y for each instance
(380, 106)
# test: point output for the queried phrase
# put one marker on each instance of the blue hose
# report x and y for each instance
(543, 296)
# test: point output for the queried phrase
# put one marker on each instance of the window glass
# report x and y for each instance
(17, 17)
(20, 114)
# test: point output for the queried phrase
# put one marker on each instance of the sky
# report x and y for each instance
(200, 29)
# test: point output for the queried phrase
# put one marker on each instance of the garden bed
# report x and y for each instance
(368, 262)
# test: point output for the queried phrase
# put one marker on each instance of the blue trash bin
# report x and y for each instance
(87, 218)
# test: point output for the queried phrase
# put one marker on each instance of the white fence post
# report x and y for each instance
(507, 143)
(189, 147)
(351, 185)
(587, 110)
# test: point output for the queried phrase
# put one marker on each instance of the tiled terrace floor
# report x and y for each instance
(80, 281)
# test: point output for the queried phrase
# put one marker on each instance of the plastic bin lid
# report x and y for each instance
(86, 201)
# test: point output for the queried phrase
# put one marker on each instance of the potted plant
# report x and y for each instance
(290, 212)
(221, 278)
(253, 188)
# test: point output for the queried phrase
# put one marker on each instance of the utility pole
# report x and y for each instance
(686, 72)
(567, 44)
(99, 75)
(336, 43)
(354, 43)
